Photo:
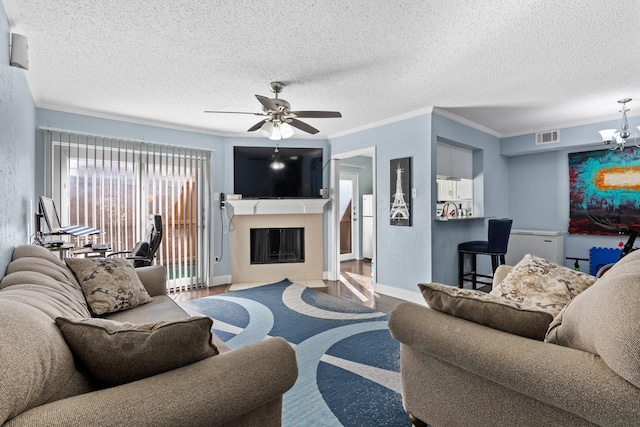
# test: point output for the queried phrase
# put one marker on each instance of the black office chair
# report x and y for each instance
(144, 252)
(496, 247)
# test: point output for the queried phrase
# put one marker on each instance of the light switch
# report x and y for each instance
(414, 193)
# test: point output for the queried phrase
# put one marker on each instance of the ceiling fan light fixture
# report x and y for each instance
(286, 130)
(267, 129)
(276, 134)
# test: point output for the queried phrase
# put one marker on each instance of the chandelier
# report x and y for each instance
(620, 137)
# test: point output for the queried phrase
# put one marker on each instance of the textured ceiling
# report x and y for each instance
(511, 66)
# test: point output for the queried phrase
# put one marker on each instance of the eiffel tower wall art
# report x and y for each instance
(400, 186)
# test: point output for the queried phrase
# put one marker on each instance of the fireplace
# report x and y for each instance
(276, 245)
(295, 231)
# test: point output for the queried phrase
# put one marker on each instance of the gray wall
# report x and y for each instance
(17, 145)
(403, 257)
(539, 184)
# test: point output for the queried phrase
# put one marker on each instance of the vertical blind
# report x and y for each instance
(114, 185)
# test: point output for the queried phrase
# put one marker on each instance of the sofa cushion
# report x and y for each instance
(116, 353)
(543, 283)
(56, 270)
(109, 284)
(605, 320)
(489, 310)
(35, 251)
(36, 365)
(44, 293)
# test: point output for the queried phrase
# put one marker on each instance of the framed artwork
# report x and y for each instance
(400, 186)
(604, 183)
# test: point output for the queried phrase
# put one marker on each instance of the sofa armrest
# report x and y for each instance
(573, 380)
(501, 273)
(154, 279)
(210, 392)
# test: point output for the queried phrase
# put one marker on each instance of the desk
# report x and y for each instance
(90, 253)
(61, 249)
(85, 252)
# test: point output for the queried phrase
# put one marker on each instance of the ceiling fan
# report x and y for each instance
(279, 118)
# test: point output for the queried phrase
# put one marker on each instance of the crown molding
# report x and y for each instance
(466, 122)
(382, 122)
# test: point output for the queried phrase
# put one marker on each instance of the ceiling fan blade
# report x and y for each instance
(234, 112)
(267, 103)
(256, 126)
(303, 126)
(317, 114)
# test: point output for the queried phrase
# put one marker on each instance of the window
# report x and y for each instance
(114, 185)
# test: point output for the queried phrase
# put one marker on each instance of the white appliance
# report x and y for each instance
(367, 226)
(545, 244)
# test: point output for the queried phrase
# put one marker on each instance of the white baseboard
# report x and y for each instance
(403, 294)
(221, 280)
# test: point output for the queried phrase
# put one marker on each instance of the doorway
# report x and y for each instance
(351, 179)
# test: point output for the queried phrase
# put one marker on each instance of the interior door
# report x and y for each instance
(349, 206)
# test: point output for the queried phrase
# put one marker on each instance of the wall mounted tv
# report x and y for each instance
(263, 173)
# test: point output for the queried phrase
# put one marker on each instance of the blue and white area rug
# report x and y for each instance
(348, 362)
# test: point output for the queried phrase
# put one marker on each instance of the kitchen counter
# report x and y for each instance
(466, 218)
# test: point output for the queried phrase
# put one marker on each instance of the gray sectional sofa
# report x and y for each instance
(584, 371)
(43, 385)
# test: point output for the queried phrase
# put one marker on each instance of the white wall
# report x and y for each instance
(17, 145)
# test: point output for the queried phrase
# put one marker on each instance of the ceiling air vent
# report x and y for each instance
(548, 137)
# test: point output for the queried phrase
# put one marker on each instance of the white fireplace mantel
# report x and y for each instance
(277, 206)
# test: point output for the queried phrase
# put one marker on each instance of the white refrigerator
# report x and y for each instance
(367, 226)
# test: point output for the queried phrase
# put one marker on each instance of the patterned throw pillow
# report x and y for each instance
(108, 284)
(542, 283)
(116, 353)
(489, 310)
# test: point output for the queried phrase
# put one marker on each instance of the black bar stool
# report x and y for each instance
(496, 247)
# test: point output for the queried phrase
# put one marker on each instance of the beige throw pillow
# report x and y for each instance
(116, 353)
(605, 320)
(108, 284)
(542, 283)
(489, 310)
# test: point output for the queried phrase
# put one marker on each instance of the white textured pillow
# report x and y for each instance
(108, 284)
(542, 283)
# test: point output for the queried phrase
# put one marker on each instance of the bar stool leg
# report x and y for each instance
(475, 269)
(494, 262)
(460, 269)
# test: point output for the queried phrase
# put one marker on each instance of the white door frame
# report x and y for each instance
(333, 247)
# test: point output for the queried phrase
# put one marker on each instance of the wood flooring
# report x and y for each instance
(354, 285)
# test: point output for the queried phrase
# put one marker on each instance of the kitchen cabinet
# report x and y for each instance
(452, 161)
(452, 190)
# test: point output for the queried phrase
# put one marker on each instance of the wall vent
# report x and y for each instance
(548, 137)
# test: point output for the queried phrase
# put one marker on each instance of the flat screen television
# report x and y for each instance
(263, 173)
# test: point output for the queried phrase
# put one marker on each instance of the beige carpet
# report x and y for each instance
(307, 283)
